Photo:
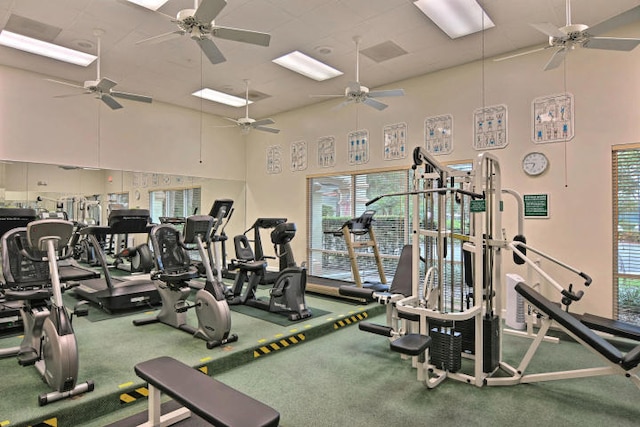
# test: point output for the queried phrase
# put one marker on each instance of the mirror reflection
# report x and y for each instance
(88, 195)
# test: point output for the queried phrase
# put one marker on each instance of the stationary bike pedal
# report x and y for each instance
(28, 358)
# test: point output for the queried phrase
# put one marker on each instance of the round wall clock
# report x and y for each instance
(535, 164)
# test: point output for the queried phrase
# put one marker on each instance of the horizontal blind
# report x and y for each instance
(626, 234)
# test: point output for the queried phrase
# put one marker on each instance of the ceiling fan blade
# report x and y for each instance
(239, 35)
(342, 105)
(326, 96)
(549, 29)
(556, 59)
(265, 129)
(628, 17)
(112, 103)
(162, 37)
(105, 84)
(131, 96)
(375, 104)
(515, 55)
(611, 43)
(65, 83)
(233, 120)
(385, 93)
(209, 9)
(69, 95)
(263, 122)
(211, 51)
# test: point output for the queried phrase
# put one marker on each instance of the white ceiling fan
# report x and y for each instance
(102, 87)
(199, 24)
(357, 93)
(571, 35)
(246, 123)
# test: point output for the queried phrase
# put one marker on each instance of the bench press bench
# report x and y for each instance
(208, 398)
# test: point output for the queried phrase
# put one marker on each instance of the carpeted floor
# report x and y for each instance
(350, 378)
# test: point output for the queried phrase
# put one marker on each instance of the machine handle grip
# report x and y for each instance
(586, 277)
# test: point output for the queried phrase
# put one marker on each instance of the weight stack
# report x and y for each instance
(491, 347)
(446, 349)
(466, 327)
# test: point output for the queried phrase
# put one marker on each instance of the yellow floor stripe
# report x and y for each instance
(281, 344)
(51, 422)
(4, 423)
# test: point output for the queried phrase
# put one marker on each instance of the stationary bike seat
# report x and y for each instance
(248, 265)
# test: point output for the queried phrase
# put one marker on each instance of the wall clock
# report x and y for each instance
(535, 164)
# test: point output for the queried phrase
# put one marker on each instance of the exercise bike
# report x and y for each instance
(49, 341)
(286, 297)
(174, 270)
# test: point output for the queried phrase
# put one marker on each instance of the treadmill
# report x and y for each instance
(11, 218)
(110, 293)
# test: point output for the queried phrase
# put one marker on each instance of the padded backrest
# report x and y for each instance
(401, 283)
(18, 270)
(169, 256)
(243, 248)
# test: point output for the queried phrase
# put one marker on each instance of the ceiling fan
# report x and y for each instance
(246, 123)
(571, 35)
(199, 24)
(102, 87)
(357, 93)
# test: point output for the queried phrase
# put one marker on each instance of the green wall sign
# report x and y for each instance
(536, 205)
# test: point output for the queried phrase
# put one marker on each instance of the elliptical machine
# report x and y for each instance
(173, 272)
(286, 297)
(49, 341)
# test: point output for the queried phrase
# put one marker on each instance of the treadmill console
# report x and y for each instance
(11, 218)
(122, 221)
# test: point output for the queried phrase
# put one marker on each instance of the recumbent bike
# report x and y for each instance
(286, 297)
(173, 272)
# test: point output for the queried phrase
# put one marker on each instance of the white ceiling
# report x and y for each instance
(172, 70)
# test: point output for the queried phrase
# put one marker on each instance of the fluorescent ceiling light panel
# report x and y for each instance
(149, 4)
(307, 66)
(222, 98)
(28, 44)
(457, 18)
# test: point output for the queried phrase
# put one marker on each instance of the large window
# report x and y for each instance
(626, 233)
(335, 199)
(174, 203)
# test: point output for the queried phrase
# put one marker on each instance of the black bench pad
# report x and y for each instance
(570, 323)
(614, 327)
(205, 396)
(411, 344)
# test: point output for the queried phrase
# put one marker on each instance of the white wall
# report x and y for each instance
(82, 131)
(606, 87)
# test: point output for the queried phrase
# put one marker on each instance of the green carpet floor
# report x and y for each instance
(109, 349)
(350, 378)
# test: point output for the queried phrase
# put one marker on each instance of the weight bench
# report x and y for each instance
(208, 398)
(618, 363)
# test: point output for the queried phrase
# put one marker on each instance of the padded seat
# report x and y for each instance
(411, 344)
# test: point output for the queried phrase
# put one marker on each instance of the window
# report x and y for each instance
(118, 201)
(335, 199)
(626, 236)
(173, 203)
